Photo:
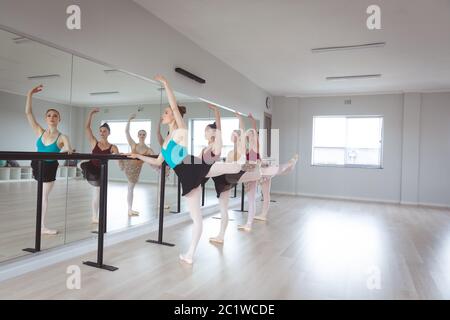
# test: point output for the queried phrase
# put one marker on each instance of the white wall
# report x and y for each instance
(123, 34)
(416, 148)
(434, 177)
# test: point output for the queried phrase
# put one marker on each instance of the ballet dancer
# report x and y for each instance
(252, 156)
(268, 173)
(91, 169)
(49, 140)
(132, 168)
(225, 183)
(190, 170)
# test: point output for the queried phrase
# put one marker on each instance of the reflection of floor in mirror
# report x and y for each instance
(18, 212)
(309, 249)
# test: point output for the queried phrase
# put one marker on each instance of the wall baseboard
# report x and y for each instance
(403, 203)
(322, 196)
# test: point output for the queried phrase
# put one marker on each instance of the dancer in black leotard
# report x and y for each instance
(190, 170)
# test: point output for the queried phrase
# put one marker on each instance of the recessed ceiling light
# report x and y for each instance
(103, 93)
(351, 47)
(46, 76)
(362, 76)
(110, 71)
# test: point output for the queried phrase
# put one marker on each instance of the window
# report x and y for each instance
(197, 134)
(118, 136)
(349, 141)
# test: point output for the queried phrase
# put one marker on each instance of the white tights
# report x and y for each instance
(95, 202)
(47, 187)
(193, 201)
(251, 198)
(221, 168)
(130, 195)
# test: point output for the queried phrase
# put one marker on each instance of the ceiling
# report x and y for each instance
(20, 59)
(270, 42)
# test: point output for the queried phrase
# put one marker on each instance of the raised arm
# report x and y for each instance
(254, 127)
(241, 141)
(160, 137)
(172, 101)
(29, 111)
(217, 148)
(92, 140)
(130, 140)
(67, 147)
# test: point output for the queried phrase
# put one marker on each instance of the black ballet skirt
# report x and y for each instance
(226, 182)
(91, 172)
(191, 173)
(50, 169)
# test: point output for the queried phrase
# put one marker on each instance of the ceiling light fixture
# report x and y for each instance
(46, 76)
(352, 47)
(103, 93)
(362, 76)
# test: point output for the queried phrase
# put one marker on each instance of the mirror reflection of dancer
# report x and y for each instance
(190, 170)
(132, 168)
(225, 183)
(91, 169)
(49, 140)
(268, 172)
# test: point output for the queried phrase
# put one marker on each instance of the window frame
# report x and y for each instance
(191, 133)
(351, 166)
(125, 121)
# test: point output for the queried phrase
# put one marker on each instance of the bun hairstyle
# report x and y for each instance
(212, 125)
(53, 110)
(182, 110)
(106, 125)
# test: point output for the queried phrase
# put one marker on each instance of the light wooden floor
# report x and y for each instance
(70, 212)
(311, 248)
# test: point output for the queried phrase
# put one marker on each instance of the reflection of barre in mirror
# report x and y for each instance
(133, 168)
(49, 140)
(91, 169)
(190, 170)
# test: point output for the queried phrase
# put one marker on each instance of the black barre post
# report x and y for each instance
(102, 219)
(161, 209)
(235, 191)
(37, 241)
(203, 194)
(242, 200)
(178, 197)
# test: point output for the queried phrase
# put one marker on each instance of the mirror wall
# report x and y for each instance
(75, 86)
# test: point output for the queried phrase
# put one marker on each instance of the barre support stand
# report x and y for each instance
(161, 210)
(102, 219)
(37, 241)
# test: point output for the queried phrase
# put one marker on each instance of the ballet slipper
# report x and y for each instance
(132, 213)
(245, 227)
(216, 240)
(260, 218)
(186, 259)
(95, 221)
(50, 232)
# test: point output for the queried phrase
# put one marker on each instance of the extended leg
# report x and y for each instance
(46, 189)
(193, 200)
(95, 204)
(223, 202)
(130, 198)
